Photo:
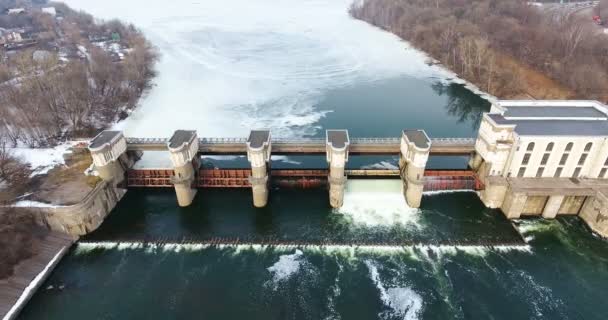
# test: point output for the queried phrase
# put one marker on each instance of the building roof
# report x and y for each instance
(338, 138)
(105, 137)
(553, 118)
(181, 137)
(418, 137)
(554, 112)
(257, 138)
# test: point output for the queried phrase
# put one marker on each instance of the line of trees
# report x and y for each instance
(476, 38)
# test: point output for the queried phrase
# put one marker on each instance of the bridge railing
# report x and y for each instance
(453, 140)
(304, 141)
(147, 140)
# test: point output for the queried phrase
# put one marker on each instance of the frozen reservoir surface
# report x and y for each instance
(296, 67)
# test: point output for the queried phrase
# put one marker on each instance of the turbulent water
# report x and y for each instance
(299, 67)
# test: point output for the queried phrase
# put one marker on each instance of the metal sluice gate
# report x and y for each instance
(434, 180)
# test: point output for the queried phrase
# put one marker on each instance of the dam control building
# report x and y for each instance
(544, 158)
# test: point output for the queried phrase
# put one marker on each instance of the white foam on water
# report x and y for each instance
(377, 203)
(526, 227)
(404, 301)
(335, 293)
(286, 267)
(381, 165)
(434, 193)
(228, 66)
(429, 252)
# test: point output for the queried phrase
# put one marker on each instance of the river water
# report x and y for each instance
(300, 67)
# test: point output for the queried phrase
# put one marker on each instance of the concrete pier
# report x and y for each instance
(106, 149)
(336, 145)
(552, 206)
(415, 147)
(183, 147)
(258, 154)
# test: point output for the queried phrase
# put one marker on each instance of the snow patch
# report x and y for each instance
(43, 159)
(33, 204)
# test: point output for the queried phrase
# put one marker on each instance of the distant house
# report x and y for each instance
(16, 11)
(10, 36)
(50, 10)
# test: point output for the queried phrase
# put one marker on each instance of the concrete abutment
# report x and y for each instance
(415, 148)
(258, 154)
(337, 146)
(183, 148)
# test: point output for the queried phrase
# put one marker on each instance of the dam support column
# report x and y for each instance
(552, 207)
(336, 147)
(183, 148)
(514, 204)
(108, 150)
(258, 154)
(415, 148)
(595, 212)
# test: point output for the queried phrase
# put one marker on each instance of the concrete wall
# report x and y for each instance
(85, 216)
(595, 213)
(571, 205)
(534, 205)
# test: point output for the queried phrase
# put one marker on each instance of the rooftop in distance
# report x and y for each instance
(552, 117)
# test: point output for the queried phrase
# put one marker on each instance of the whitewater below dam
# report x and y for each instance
(298, 68)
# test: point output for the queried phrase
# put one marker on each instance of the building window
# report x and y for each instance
(588, 146)
(539, 172)
(550, 146)
(582, 159)
(558, 172)
(530, 146)
(577, 171)
(563, 160)
(521, 172)
(526, 158)
(603, 173)
(545, 159)
(569, 146)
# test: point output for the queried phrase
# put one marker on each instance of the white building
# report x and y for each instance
(560, 139)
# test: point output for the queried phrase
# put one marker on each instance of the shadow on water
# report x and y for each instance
(462, 103)
(374, 212)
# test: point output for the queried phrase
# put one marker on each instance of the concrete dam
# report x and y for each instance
(521, 161)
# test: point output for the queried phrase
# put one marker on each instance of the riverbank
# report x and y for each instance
(29, 274)
(509, 49)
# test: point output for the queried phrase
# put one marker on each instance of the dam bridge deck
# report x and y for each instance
(312, 146)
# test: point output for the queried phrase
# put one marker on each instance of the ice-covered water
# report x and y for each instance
(229, 66)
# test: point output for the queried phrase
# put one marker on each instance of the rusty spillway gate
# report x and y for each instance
(434, 180)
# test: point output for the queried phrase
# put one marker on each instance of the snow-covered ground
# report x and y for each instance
(43, 159)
